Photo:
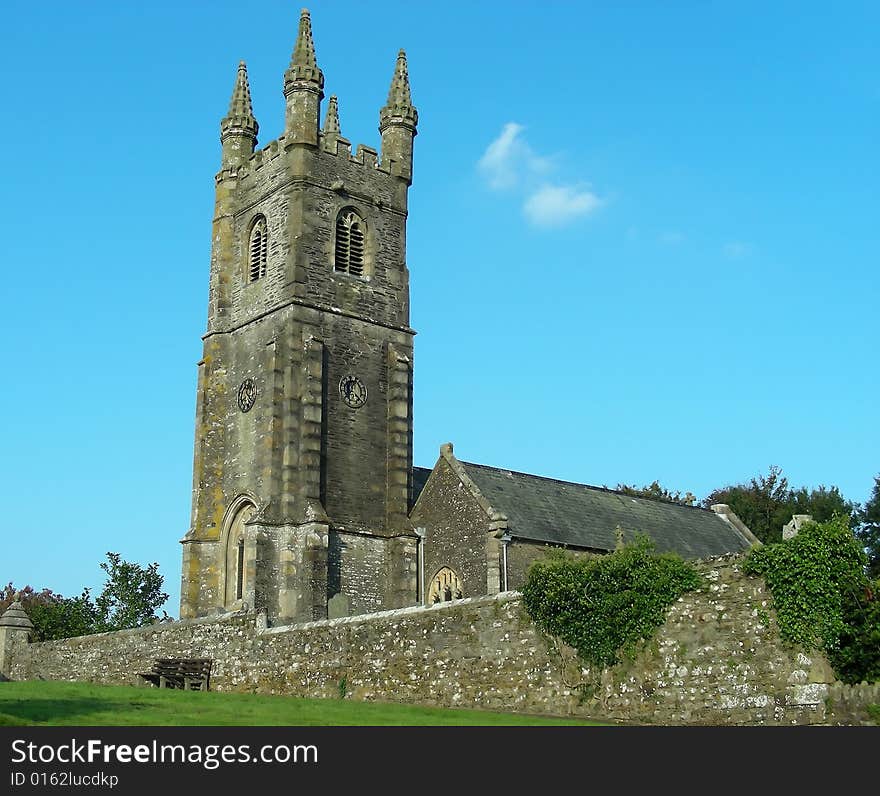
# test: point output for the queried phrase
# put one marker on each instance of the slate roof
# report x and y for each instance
(564, 513)
(419, 479)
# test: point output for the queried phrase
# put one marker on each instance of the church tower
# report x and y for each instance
(303, 439)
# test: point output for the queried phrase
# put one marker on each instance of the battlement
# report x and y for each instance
(365, 156)
(336, 146)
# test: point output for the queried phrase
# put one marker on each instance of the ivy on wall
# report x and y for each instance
(604, 606)
(823, 598)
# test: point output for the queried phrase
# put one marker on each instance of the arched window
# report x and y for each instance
(445, 586)
(350, 241)
(258, 248)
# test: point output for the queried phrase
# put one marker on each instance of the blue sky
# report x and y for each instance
(643, 243)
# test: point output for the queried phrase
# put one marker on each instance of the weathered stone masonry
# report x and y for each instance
(717, 660)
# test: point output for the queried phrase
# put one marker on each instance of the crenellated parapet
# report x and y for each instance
(365, 156)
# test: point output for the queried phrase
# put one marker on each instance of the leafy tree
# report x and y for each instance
(656, 492)
(763, 504)
(131, 594)
(766, 503)
(54, 616)
(130, 597)
(822, 504)
(868, 531)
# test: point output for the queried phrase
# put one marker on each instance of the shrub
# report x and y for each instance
(604, 606)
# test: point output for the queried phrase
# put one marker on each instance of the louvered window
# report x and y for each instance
(350, 244)
(258, 248)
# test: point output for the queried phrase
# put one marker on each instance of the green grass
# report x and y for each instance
(59, 703)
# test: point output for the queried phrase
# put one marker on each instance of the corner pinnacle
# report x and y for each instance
(399, 105)
(399, 93)
(240, 118)
(303, 62)
(240, 104)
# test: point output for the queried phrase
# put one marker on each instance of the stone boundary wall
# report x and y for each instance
(718, 660)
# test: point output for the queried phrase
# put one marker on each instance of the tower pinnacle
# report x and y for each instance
(331, 120)
(399, 108)
(239, 128)
(303, 63)
(397, 123)
(240, 104)
(303, 87)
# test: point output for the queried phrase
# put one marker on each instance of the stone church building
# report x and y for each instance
(306, 503)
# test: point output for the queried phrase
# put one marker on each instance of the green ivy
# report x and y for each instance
(604, 606)
(809, 576)
(856, 658)
(823, 597)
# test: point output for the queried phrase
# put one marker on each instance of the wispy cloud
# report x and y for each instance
(557, 205)
(511, 164)
(737, 249)
(509, 159)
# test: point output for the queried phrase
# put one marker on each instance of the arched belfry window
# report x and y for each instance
(445, 586)
(350, 244)
(258, 248)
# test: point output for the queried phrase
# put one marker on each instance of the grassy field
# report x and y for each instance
(57, 703)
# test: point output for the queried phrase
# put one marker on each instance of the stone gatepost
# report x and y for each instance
(15, 631)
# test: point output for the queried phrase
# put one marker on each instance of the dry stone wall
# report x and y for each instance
(717, 660)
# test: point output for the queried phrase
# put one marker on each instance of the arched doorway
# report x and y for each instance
(235, 555)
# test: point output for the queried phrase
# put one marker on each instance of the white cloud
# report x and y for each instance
(736, 250)
(556, 205)
(509, 163)
(509, 158)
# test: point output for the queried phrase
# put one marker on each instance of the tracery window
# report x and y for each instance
(445, 586)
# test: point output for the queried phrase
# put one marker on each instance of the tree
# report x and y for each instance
(822, 504)
(868, 531)
(130, 598)
(763, 504)
(656, 492)
(766, 504)
(131, 594)
(54, 616)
